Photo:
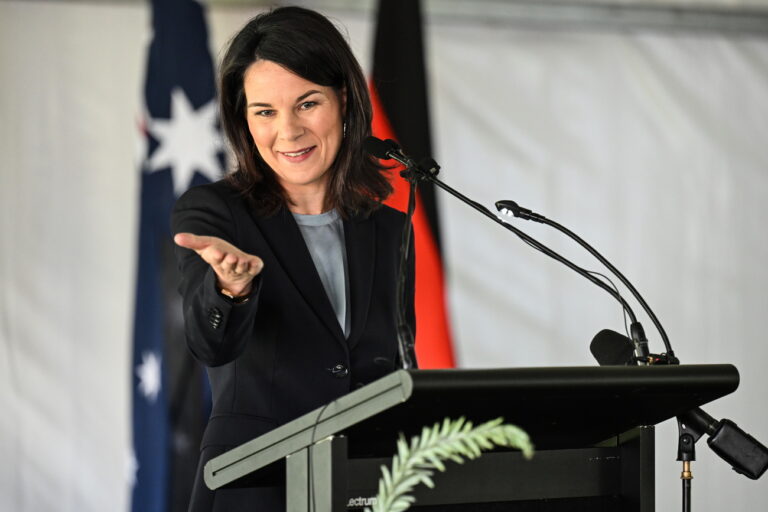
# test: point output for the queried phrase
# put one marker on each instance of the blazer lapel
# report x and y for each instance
(360, 239)
(284, 237)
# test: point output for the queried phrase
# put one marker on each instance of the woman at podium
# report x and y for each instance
(289, 263)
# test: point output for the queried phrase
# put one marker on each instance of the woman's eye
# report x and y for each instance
(307, 105)
(265, 113)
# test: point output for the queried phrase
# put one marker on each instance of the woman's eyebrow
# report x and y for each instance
(269, 105)
(308, 93)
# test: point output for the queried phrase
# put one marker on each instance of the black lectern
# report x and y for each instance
(592, 427)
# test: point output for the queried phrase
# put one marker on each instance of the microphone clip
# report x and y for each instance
(389, 149)
(663, 359)
(427, 168)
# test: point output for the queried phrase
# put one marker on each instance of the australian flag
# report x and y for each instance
(182, 146)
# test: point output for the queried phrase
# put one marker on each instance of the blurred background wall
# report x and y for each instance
(643, 128)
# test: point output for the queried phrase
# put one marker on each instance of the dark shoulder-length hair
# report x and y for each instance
(309, 45)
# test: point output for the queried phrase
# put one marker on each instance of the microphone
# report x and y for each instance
(745, 454)
(386, 150)
(508, 206)
(610, 348)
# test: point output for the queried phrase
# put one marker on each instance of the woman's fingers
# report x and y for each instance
(242, 266)
(213, 256)
(190, 241)
(230, 262)
(256, 264)
(213, 250)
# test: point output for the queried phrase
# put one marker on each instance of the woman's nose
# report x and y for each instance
(290, 128)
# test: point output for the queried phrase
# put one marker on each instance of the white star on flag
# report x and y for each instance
(149, 375)
(189, 142)
(131, 467)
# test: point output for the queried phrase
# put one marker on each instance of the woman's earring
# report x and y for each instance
(344, 129)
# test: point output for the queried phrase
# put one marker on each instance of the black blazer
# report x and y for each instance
(283, 353)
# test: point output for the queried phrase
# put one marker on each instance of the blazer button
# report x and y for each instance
(339, 371)
(214, 317)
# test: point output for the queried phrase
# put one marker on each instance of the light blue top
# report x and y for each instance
(324, 236)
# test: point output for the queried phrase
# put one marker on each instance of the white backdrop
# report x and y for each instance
(649, 145)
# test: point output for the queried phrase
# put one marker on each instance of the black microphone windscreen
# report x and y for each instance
(611, 348)
(377, 148)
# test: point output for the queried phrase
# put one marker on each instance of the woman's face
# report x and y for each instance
(295, 124)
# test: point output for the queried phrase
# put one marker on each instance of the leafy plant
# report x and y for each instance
(454, 440)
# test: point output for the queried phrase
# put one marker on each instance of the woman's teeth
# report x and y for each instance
(297, 153)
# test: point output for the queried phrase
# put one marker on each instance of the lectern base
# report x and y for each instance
(617, 476)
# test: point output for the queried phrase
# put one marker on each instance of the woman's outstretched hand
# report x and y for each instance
(234, 268)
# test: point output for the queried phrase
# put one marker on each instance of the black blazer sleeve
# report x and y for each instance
(216, 329)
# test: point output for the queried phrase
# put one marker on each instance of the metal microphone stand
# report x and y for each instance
(405, 338)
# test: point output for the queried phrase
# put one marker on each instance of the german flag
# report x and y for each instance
(399, 96)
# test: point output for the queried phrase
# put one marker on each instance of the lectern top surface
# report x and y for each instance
(561, 407)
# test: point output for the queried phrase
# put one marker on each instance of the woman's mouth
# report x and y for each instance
(299, 155)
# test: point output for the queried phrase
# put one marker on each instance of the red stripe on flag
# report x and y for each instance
(434, 348)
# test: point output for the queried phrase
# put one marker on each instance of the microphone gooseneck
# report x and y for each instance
(428, 169)
(638, 334)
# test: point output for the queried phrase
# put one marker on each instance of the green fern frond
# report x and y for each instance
(453, 440)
